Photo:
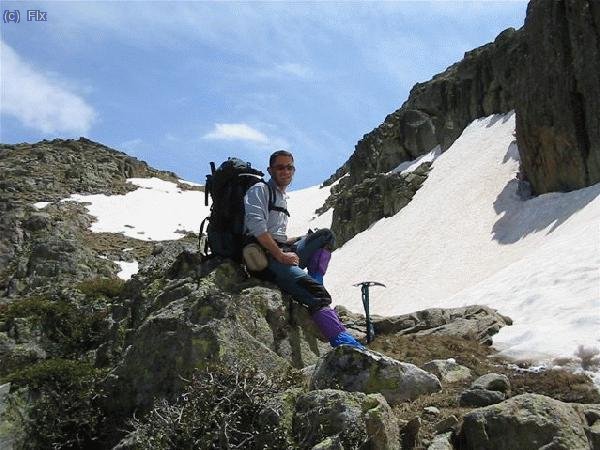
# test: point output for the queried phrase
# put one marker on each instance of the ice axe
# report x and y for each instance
(364, 289)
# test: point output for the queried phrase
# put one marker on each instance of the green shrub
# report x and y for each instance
(73, 330)
(64, 413)
(219, 409)
(102, 287)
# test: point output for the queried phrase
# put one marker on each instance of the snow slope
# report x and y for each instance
(467, 237)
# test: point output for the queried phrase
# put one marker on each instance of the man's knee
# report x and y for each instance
(316, 295)
(324, 236)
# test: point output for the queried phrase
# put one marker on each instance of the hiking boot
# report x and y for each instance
(345, 338)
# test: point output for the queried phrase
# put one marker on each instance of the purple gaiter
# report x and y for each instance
(317, 266)
(328, 322)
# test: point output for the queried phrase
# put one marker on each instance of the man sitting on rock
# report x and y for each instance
(288, 257)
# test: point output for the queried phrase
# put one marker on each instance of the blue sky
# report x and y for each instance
(179, 84)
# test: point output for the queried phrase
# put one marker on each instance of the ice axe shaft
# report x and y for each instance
(364, 289)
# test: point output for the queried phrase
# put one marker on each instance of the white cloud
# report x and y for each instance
(40, 102)
(298, 70)
(131, 144)
(236, 131)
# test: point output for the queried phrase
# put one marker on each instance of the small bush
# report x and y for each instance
(102, 287)
(219, 409)
(74, 331)
(63, 414)
(558, 383)
(589, 357)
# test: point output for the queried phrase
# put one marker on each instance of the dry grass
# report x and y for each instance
(559, 384)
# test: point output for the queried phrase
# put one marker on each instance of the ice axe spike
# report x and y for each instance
(364, 289)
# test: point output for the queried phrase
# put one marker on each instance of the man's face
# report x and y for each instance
(282, 170)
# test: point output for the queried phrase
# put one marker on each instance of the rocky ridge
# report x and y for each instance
(36, 246)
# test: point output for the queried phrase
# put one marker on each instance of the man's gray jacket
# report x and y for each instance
(258, 219)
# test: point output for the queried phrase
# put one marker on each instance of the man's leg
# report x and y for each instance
(304, 289)
(310, 243)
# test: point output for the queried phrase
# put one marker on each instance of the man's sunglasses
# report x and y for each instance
(280, 167)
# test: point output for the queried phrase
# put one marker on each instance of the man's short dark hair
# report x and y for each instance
(279, 153)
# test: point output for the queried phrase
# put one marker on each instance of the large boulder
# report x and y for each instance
(492, 382)
(470, 322)
(331, 418)
(448, 370)
(557, 102)
(526, 422)
(203, 323)
(366, 371)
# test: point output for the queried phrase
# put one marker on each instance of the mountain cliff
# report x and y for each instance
(546, 72)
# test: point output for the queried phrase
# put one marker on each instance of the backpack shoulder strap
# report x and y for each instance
(272, 197)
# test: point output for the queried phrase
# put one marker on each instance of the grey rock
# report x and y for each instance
(409, 434)
(329, 443)
(431, 411)
(469, 322)
(445, 425)
(480, 397)
(354, 370)
(4, 391)
(208, 325)
(276, 415)
(590, 415)
(492, 382)
(441, 442)
(526, 422)
(447, 370)
(356, 419)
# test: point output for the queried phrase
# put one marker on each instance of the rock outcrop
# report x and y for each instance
(357, 207)
(435, 114)
(558, 96)
(527, 422)
(186, 325)
(474, 322)
(370, 372)
(350, 419)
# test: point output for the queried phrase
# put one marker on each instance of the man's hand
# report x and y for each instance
(289, 258)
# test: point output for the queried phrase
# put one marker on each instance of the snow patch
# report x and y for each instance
(128, 269)
(159, 210)
(409, 166)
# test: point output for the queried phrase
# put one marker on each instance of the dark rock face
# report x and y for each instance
(547, 72)
(357, 207)
(438, 110)
(435, 114)
(558, 107)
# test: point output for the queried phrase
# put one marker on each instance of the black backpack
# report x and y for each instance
(227, 186)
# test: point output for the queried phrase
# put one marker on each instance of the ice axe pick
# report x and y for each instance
(364, 289)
